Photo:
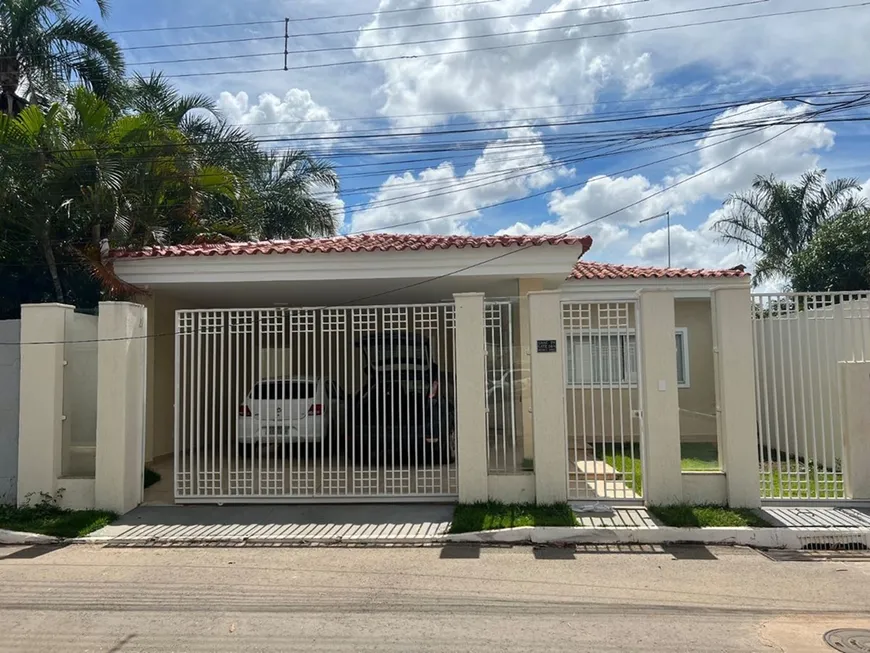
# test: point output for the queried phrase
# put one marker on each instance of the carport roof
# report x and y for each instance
(360, 243)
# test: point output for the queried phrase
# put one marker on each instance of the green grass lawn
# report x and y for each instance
(626, 461)
(50, 520)
(684, 516)
(696, 457)
(699, 457)
(493, 515)
(788, 480)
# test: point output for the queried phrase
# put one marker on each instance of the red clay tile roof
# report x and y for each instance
(589, 270)
(367, 242)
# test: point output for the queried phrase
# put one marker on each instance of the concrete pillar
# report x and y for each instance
(525, 286)
(471, 436)
(120, 406)
(548, 397)
(40, 416)
(735, 392)
(855, 382)
(663, 481)
(150, 401)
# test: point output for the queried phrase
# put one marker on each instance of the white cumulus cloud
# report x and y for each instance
(417, 203)
(295, 113)
(535, 74)
(632, 198)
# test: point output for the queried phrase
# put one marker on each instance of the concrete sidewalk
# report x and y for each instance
(311, 523)
(426, 523)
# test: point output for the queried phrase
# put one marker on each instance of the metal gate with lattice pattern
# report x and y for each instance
(315, 404)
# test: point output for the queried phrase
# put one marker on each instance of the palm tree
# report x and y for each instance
(279, 194)
(77, 174)
(775, 219)
(286, 196)
(43, 48)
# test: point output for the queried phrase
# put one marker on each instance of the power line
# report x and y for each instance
(812, 117)
(435, 146)
(581, 226)
(571, 186)
(804, 91)
(302, 19)
(610, 21)
(547, 12)
(471, 266)
(206, 26)
(661, 28)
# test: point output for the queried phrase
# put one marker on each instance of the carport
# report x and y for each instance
(328, 369)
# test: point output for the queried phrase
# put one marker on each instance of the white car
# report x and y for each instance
(289, 410)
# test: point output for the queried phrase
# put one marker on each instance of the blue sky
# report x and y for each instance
(643, 68)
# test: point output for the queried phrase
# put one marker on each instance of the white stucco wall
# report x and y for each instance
(10, 357)
(80, 396)
(705, 488)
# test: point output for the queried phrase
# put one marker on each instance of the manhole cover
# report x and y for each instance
(849, 640)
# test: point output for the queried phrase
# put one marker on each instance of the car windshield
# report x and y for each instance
(397, 354)
(283, 389)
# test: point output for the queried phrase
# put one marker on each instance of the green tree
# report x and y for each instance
(837, 259)
(279, 196)
(776, 220)
(43, 48)
(284, 196)
(79, 177)
(76, 175)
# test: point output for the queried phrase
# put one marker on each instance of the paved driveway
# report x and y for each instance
(410, 522)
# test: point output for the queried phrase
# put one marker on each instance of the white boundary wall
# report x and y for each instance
(73, 389)
(10, 379)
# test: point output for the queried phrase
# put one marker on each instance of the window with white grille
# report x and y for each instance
(601, 358)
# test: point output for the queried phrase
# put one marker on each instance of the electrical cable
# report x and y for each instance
(471, 266)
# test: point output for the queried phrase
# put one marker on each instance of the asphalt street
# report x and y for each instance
(455, 598)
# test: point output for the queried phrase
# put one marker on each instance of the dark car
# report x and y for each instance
(405, 413)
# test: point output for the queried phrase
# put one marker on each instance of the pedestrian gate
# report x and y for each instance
(603, 408)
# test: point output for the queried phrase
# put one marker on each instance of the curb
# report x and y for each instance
(17, 537)
(795, 539)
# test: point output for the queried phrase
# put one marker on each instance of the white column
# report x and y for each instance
(548, 397)
(471, 440)
(855, 378)
(120, 406)
(663, 481)
(735, 385)
(40, 417)
(150, 303)
(524, 403)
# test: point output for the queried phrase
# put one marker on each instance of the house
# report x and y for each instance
(396, 367)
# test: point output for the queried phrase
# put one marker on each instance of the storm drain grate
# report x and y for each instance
(839, 542)
(849, 640)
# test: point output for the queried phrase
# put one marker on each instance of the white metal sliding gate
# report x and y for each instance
(602, 402)
(799, 341)
(289, 404)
